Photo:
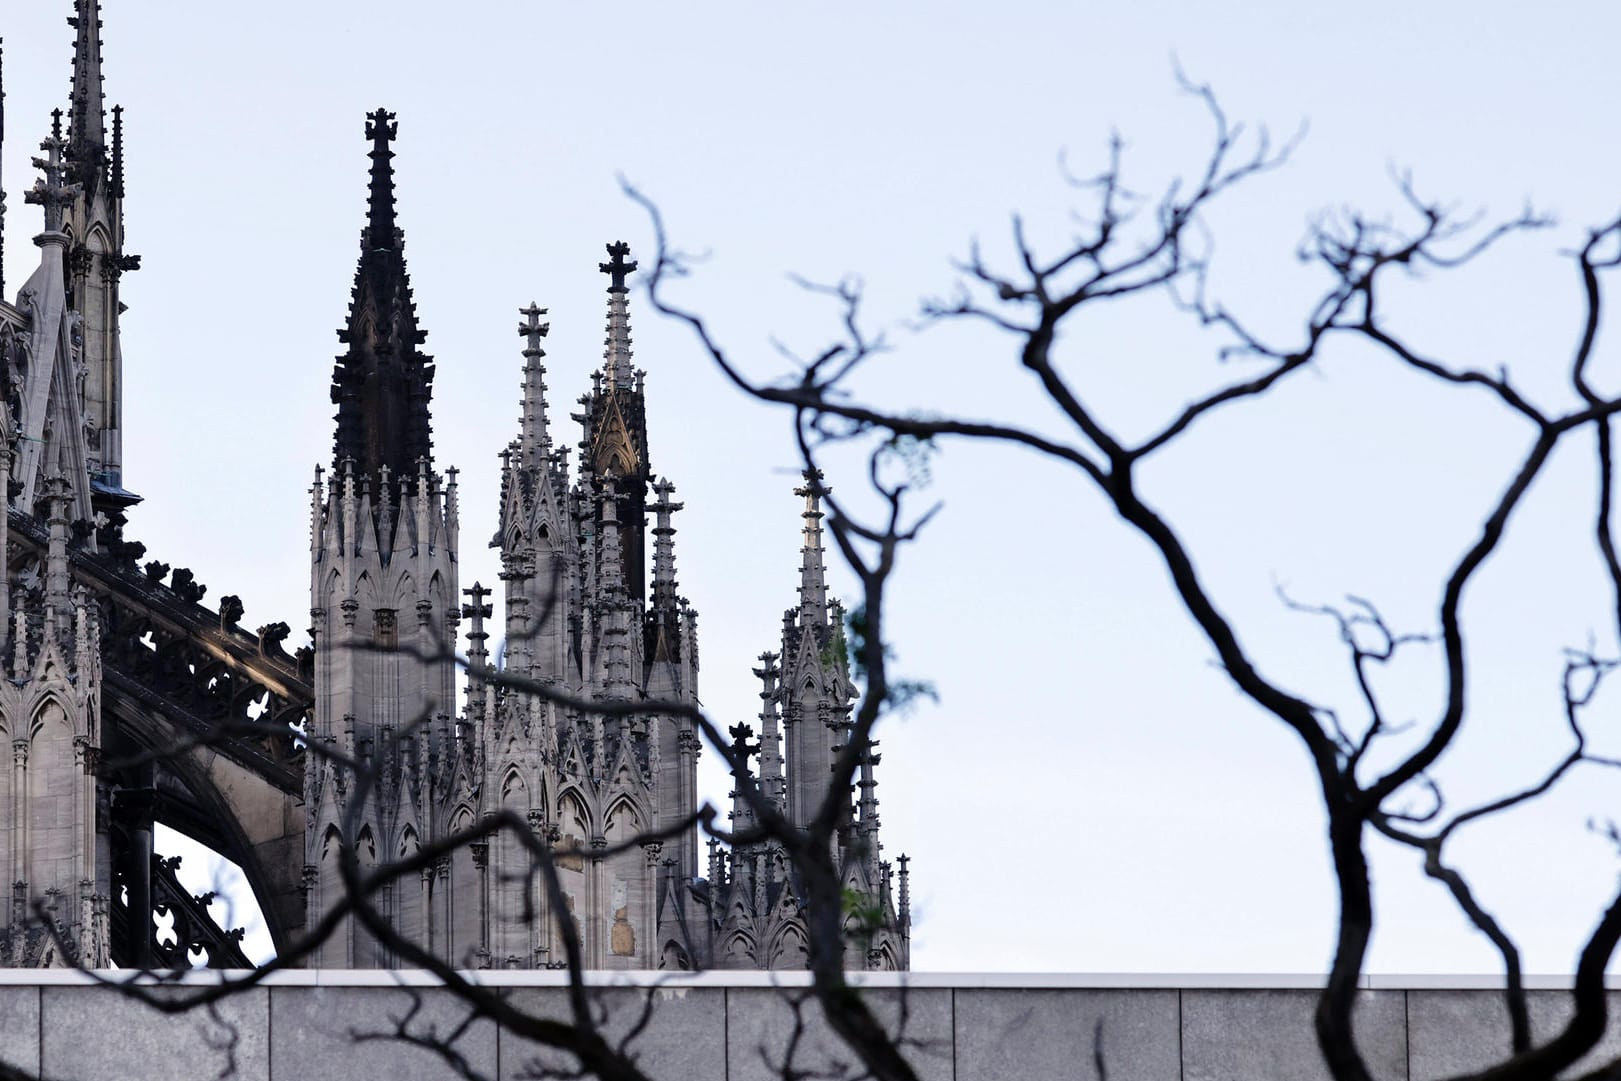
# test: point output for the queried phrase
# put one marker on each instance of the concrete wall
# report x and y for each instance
(308, 1026)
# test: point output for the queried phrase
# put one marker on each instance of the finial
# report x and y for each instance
(478, 609)
(617, 267)
(381, 128)
(52, 191)
(532, 329)
(742, 749)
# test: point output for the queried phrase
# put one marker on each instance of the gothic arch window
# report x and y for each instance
(466, 915)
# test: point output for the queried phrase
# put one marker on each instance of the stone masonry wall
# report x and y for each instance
(725, 1027)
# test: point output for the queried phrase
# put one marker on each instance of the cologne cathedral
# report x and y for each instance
(130, 700)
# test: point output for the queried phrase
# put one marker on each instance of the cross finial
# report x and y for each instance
(618, 266)
(381, 128)
(742, 749)
(478, 609)
(533, 329)
(52, 190)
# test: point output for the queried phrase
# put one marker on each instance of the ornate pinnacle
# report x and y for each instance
(617, 355)
(813, 572)
(118, 152)
(664, 582)
(536, 438)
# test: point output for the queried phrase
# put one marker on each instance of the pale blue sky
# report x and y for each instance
(1089, 794)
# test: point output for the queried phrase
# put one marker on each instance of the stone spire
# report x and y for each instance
(117, 175)
(773, 783)
(383, 384)
(615, 444)
(616, 356)
(813, 570)
(478, 655)
(906, 895)
(742, 815)
(618, 684)
(87, 117)
(664, 583)
(534, 438)
(867, 813)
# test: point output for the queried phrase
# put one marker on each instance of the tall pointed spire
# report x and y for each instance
(535, 440)
(382, 129)
(383, 383)
(617, 354)
(813, 571)
(773, 784)
(87, 115)
(118, 152)
(664, 583)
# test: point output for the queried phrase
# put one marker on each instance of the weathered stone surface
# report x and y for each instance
(1055, 1033)
(1254, 1035)
(320, 1032)
(1455, 1032)
(683, 1038)
(761, 1029)
(19, 1028)
(91, 1033)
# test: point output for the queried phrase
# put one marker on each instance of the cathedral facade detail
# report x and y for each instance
(130, 702)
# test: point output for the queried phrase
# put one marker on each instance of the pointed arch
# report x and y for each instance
(97, 240)
(740, 951)
(790, 949)
(51, 705)
(514, 787)
(615, 825)
(573, 828)
(410, 905)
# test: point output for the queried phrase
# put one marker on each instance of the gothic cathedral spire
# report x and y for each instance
(383, 383)
(95, 257)
(384, 596)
